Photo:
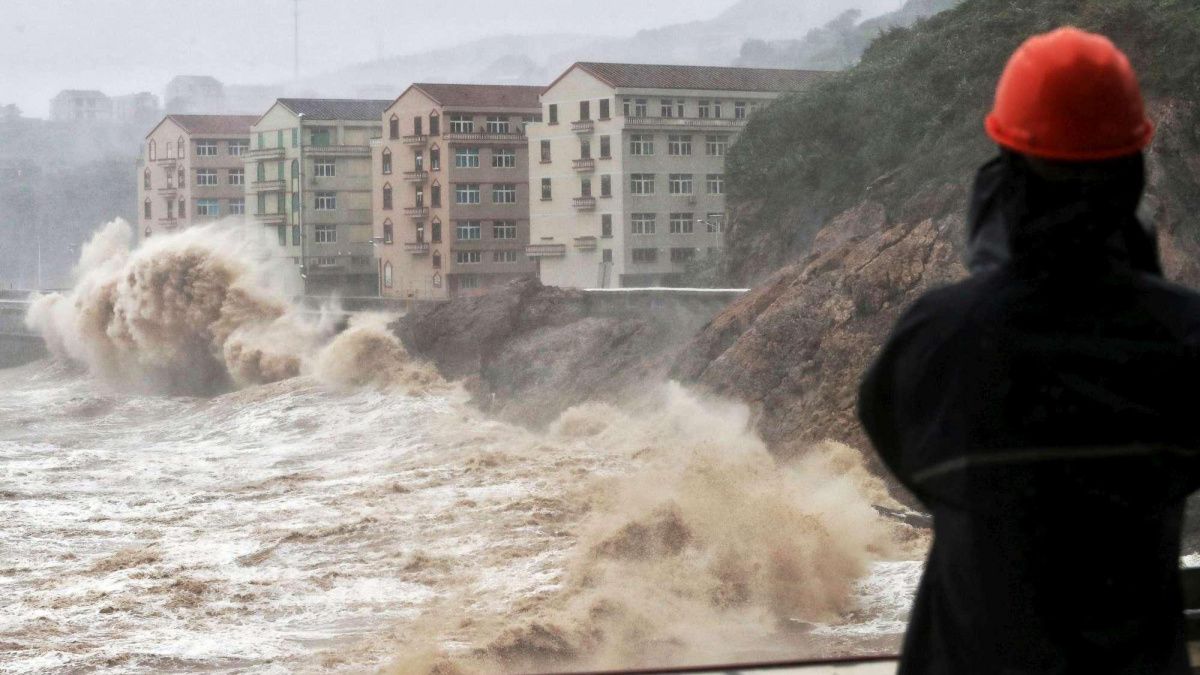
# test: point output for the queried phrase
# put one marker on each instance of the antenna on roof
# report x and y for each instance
(296, 39)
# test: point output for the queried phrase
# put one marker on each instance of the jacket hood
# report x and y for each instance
(1047, 226)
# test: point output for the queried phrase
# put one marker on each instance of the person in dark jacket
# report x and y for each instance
(1042, 409)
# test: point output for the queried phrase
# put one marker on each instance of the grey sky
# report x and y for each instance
(122, 46)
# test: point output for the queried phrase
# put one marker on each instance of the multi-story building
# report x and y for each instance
(629, 172)
(309, 187)
(194, 94)
(191, 170)
(76, 105)
(138, 108)
(452, 189)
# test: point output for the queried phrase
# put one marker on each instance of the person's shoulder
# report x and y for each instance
(950, 304)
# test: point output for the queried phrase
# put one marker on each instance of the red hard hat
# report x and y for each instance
(1069, 95)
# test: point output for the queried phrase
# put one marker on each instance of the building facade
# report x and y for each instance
(308, 186)
(452, 190)
(80, 105)
(191, 170)
(628, 168)
(139, 108)
(194, 94)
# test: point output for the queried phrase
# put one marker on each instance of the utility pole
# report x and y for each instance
(296, 39)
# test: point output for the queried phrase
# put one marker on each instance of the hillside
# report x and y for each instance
(908, 119)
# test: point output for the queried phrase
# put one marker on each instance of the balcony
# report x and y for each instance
(337, 150)
(584, 164)
(585, 243)
(583, 126)
(417, 247)
(418, 212)
(168, 221)
(267, 186)
(415, 139)
(546, 250)
(416, 176)
(584, 203)
(684, 123)
(484, 137)
(167, 189)
(265, 153)
(271, 218)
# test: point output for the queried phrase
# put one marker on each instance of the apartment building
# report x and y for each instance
(80, 105)
(309, 188)
(452, 189)
(630, 167)
(191, 171)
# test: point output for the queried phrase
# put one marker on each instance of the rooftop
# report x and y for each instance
(93, 93)
(719, 78)
(337, 108)
(482, 95)
(215, 124)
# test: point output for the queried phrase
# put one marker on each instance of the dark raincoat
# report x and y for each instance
(1045, 412)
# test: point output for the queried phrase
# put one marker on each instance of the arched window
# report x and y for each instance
(386, 161)
(152, 151)
(148, 232)
(435, 195)
(387, 231)
(435, 158)
(435, 124)
(387, 196)
(182, 177)
(146, 178)
(147, 210)
(437, 231)
(179, 145)
(394, 128)
(437, 279)
(437, 260)
(387, 275)
(182, 209)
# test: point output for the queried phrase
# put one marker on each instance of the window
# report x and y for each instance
(605, 147)
(279, 174)
(497, 124)
(436, 234)
(146, 179)
(509, 256)
(739, 110)
(323, 168)
(546, 196)
(280, 202)
(147, 210)
(466, 193)
(237, 176)
(683, 255)
(545, 152)
(717, 109)
(606, 226)
(386, 162)
(206, 148)
(326, 201)
(182, 209)
(462, 124)
(641, 144)
(716, 145)
(605, 113)
(641, 183)
(666, 107)
(326, 261)
(679, 145)
(387, 273)
(295, 235)
(180, 145)
(466, 158)
(645, 255)
(394, 127)
(262, 204)
(636, 107)
(585, 149)
(435, 159)
(585, 187)
(715, 183)
(418, 227)
(418, 161)
(237, 206)
(553, 113)
(295, 137)
(320, 137)
(504, 229)
(152, 151)
(468, 282)
(260, 172)
(680, 184)
(206, 176)
(681, 223)
(504, 193)
(388, 231)
(605, 186)
(279, 138)
(207, 207)
(170, 209)
(295, 202)
(437, 264)
(504, 158)
(467, 230)
(435, 195)
(182, 180)
(705, 111)
(585, 110)
(326, 234)
(387, 196)
(417, 120)
(468, 257)
(606, 255)
(641, 223)
(281, 234)
(237, 148)
(419, 198)
(435, 124)
(715, 222)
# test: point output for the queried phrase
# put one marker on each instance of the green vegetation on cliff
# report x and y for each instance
(912, 111)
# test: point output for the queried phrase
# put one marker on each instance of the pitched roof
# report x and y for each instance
(215, 124)
(719, 78)
(482, 95)
(337, 108)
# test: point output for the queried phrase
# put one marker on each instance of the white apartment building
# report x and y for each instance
(627, 167)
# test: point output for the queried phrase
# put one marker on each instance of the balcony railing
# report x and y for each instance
(337, 150)
(546, 250)
(267, 186)
(584, 203)
(167, 188)
(684, 122)
(265, 153)
(271, 218)
(585, 243)
(417, 247)
(416, 176)
(416, 211)
(584, 164)
(415, 139)
(583, 126)
(485, 137)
